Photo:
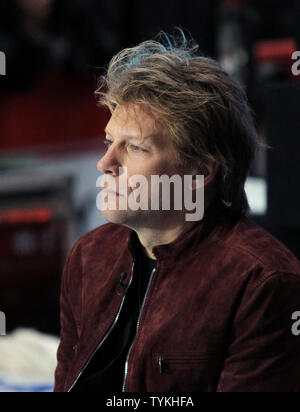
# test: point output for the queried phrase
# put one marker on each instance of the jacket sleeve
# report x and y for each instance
(264, 350)
(69, 325)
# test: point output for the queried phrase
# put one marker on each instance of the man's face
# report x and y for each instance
(155, 156)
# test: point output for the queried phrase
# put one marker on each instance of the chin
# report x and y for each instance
(116, 216)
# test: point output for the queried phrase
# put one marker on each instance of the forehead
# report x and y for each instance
(134, 120)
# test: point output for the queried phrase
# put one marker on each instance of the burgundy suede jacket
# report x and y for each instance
(217, 316)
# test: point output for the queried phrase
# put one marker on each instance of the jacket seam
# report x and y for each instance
(78, 321)
(272, 275)
(66, 286)
(266, 279)
(81, 295)
(246, 251)
(254, 257)
(223, 244)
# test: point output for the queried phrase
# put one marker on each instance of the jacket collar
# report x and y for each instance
(215, 222)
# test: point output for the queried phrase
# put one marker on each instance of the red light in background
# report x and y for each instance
(21, 216)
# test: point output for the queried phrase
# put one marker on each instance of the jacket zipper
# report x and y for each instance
(137, 328)
(106, 335)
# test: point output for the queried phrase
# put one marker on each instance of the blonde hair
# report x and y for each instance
(204, 111)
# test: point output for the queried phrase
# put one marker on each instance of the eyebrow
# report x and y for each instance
(130, 137)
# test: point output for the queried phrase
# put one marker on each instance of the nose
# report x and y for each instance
(108, 164)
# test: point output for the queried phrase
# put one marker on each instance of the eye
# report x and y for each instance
(136, 148)
(107, 143)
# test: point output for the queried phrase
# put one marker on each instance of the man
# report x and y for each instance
(155, 302)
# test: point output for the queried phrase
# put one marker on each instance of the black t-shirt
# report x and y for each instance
(105, 373)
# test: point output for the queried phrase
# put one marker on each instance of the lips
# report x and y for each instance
(110, 191)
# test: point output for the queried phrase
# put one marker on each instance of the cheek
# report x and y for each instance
(143, 167)
(168, 163)
(167, 168)
(156, 166)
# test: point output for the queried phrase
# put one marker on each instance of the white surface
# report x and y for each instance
(27, 361)
(256, 190)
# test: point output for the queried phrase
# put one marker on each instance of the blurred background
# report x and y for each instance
(51, 134)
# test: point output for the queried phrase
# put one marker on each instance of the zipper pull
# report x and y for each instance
(160, 363)
(122, 289)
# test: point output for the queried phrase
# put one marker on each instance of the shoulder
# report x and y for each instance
(250, 246)
(104, 239)
(107, 233)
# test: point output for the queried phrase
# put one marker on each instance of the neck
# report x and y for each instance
(165, 231)
(150, 237)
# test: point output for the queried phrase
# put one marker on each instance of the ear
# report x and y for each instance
(209, 170)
